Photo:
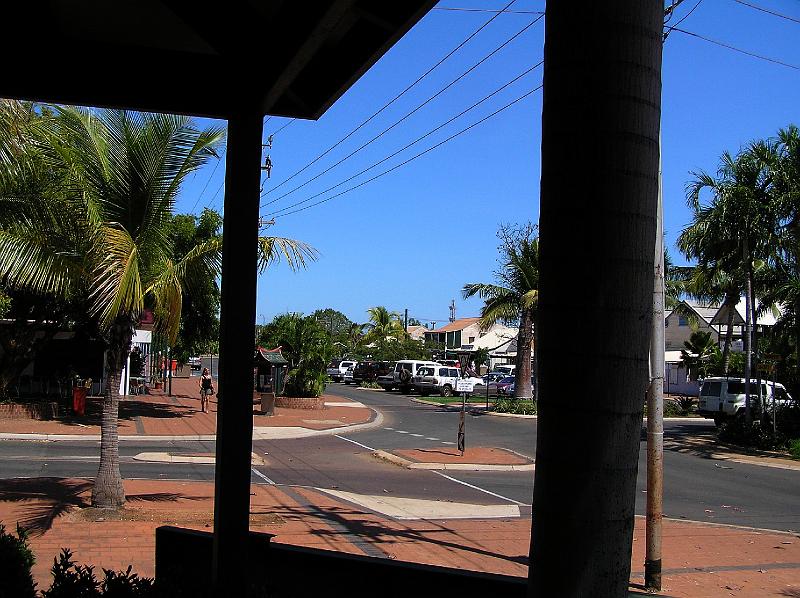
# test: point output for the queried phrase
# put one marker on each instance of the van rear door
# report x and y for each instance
(710, 396)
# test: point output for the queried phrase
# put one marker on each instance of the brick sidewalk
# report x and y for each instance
(700, 561)
(158, 414)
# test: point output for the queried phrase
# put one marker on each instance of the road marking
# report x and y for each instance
(516, 502)
(447, 442)
(434, 439)
(417, 435)
(262, 476)
(415, 508)
(388, 428)
(369, 448)
(401, 431)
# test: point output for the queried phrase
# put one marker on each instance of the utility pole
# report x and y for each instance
(405, 325)
(655, 411)
(452, 310)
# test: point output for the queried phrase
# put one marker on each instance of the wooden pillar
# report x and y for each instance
(237, 319)
(599, 190)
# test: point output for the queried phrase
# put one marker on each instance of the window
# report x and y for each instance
(471, 340)
(711, 389)
(736, 388)
(666, 323)
(454, 373)
(682, 321)
(443, 372)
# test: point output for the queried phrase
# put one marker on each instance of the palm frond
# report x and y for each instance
(273, 250)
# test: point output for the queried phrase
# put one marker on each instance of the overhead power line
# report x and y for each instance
(393, 100)
(735, 49)
(196, 201)
(686, 16)
(510, 12)
(422, 153)
(412, 143)
(408, 114)
(281, 128)
(769, 12)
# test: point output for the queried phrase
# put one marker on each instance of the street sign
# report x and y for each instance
(463, 385)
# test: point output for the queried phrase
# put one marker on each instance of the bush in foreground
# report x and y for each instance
(16, 560)
(516, 406)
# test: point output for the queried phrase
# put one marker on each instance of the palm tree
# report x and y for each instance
(734, 232)
(697, 354)
(384, 325)
(100, 234)
(515, 298)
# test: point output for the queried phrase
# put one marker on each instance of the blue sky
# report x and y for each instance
(413, 238)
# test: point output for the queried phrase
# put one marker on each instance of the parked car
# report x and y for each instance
(507, 369)
(512, 387)
(348, 375)
(195, 363)
(494, 376)
(722, 398)
(405, 370)
(368, 371)
(337, 369)
(438, 379)
(502, 386)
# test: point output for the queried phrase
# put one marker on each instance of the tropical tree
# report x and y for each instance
(306, 345)
(383, 325)
(96, 231)
(697, 354)
(514, 298)
(734, 232)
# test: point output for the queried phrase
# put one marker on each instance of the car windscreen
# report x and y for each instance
(507, 380)
(425, 372)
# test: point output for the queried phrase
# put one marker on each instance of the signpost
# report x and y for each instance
(464, 387)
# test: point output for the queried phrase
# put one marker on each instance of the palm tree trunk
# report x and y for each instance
(522, 384)
(108, 492)
(601, 110)
(730, 301)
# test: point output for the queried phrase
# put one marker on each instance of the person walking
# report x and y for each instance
(206, 389)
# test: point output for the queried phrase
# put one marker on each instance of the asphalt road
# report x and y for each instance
(696, 488)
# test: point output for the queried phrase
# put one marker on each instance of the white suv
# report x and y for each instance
(405, 370)
(439, 379)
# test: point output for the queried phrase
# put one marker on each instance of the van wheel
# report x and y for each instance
(447, 390)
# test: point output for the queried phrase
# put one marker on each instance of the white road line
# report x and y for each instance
(516, 502)
(388, 428)
(434, 439)
(417, 435)
(401, 431)
(369, 448)
(447, 442)
(262, 476)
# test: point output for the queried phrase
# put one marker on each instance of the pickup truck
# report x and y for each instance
(337, 369)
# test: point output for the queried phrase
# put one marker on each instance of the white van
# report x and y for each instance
(507, 369)
(721, 398)
(405, 370)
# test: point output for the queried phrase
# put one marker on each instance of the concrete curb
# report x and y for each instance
(397, 460)
(259, 433)
(473, 409)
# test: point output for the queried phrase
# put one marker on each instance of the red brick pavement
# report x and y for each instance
(699, 560)
(157, 414)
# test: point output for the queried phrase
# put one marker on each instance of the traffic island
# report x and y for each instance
(474, 459)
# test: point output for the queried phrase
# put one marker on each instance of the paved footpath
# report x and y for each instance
(700, 560)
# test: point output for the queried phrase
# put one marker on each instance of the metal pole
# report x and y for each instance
(230, 565)
(748, 340)
(655, 412)
(169, 371)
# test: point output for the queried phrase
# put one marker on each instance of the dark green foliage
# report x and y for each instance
(698, 353)
(79, 581)
(404, 348)
(307, 347)
(517, 406)
(335, 322)
(199, 328)
(758, 436)
(794, 448)
(685, 404)
(71, 580)
(16, 560)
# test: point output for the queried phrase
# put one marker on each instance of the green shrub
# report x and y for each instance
(366, 384)
(794, 448)
(736, 431)
(16, 560)
(79, 581)
(516, 406)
